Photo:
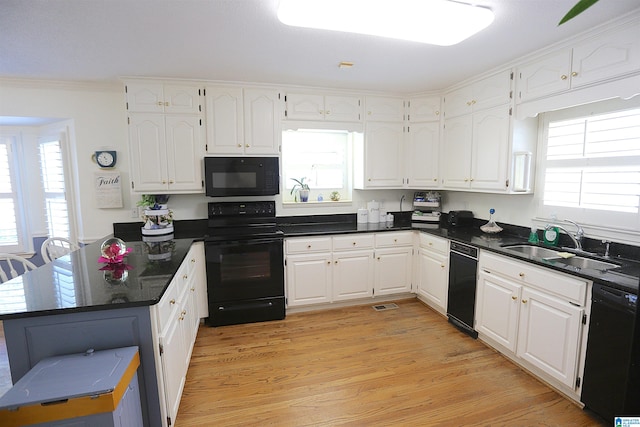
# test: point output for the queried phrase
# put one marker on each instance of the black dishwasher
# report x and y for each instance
(463, 269)
(608, 361)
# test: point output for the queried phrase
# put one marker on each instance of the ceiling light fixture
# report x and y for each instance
(438, 22)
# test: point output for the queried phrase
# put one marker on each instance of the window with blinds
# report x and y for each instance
(56, 211)
(593, 162)
(11, 230)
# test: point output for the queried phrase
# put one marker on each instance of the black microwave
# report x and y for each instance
(241, 176)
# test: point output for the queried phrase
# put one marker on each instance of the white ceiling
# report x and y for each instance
(242, 40)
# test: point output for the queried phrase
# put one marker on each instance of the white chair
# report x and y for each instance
(55, 247)
(10, 260)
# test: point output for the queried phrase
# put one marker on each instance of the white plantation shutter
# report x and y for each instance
(11, 229)
(56, 211)
(593, 162)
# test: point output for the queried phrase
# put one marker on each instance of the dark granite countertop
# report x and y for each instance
(625, 278)
(75, 283)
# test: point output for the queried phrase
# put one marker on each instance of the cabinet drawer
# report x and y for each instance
(572, 288)
(390, 239)
(434, 243)
(307, 245)
(167, 305)
(353, 241)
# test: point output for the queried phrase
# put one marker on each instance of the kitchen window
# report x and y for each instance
(322, 157)
(591, 164)
(13, 237)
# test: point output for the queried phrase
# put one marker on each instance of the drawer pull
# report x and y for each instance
(354, 243)
(308, 246)
(513, 297)
(524, 301)
(521, 274)
(173, 301)
(328, 262)
(185, 276)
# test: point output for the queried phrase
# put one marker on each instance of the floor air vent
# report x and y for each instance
(382, 307)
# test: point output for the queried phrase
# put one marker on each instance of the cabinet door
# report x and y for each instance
(392, 271)
(456, 152)
(490, 149)
(303, 106)
(196, 255)
(458, 102)
(172, 360)
(381, 109)
(426, 109)
(352, 275)
(423, 155)
(383, 155)
(262, 131)
(498, 309)
(145, 97)
(549, 335)
(342, 108)
(225, 132)
(544, 77)
(606, 56)
(433, 278)
(182, 99)
(492, 91)
(308, 279)
(148, 150)
(185, 148)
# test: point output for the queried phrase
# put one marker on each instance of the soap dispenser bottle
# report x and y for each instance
(533, 235)
(551, 234)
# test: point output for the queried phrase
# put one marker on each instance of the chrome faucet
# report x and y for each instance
(577, 239)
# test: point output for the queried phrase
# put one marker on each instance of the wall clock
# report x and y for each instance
(106, 159)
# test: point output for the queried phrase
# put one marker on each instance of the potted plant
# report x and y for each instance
(301, 189)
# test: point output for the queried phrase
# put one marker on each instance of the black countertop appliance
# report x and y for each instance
(460, 218)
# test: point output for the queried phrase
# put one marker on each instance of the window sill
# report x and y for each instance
(316, 203)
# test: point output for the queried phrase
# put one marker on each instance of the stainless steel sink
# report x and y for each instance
(535, 251)
(551, 255)
(581, 262)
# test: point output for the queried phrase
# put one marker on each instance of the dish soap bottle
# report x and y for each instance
(551, 234)
(533, 235)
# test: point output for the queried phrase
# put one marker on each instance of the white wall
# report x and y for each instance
(98, 120)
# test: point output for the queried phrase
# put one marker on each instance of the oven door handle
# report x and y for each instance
(237, 242)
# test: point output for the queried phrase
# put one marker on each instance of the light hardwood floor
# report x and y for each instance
(359, 367)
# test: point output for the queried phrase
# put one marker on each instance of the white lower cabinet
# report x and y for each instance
(346, 267)
(175, 325)
(549, 335)
(432, 273)
(308, 279)
(534, 315)
(352, 267)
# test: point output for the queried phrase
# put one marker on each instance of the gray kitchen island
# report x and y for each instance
(72, 304)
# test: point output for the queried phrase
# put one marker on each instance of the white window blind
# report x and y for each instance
(52, 171)
(593, 162)
(11, 239)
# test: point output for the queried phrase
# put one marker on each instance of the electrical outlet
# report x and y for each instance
(134, 212)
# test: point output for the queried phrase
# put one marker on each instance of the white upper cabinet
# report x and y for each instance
(383, 109)
(242, 121)
(225, 124)
(156, 97)
(166, 153)
(486, 93)
(481, 138)
(379, 160)
(606, 56)
(424, 109)
(301, 106)
(262, 129)
(422, 157)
